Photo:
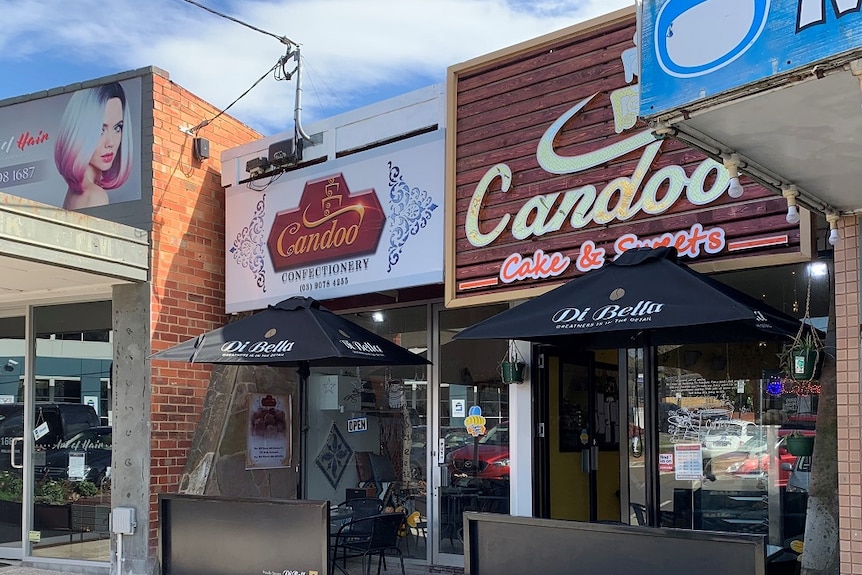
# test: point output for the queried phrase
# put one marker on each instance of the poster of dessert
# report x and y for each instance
(269, 431)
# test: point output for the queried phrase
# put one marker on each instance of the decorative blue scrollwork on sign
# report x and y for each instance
(249, 246)
(410, 210)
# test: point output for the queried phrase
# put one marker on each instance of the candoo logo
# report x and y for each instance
(329, 223)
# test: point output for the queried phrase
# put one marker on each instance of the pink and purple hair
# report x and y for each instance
(79, 134)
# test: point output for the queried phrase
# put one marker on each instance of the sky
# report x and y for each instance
(354, 52)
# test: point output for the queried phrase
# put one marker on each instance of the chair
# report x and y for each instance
(372, 536)
(355, 530)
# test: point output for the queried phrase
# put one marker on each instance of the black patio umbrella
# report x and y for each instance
(296, 332)
(645, 296)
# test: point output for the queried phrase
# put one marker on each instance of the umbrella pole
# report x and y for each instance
(651, 439)
(303, 371)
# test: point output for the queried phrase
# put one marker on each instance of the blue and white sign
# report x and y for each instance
(697, 49)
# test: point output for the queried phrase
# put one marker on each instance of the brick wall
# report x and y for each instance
(187, 270)
(848, 396)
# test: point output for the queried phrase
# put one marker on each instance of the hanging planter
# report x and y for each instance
(802, 359)
(806, 364)
(800, 445)
(511, 368)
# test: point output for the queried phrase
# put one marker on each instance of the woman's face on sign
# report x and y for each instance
(111, 136)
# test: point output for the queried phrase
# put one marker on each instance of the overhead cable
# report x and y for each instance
(282, 39)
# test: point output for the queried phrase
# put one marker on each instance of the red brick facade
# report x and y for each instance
(187, 270)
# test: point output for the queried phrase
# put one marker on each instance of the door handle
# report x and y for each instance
(12, 453)
(594, 457)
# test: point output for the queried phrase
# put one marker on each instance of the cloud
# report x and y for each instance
(352, 51)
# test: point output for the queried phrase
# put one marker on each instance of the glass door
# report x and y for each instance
(471, 433)
(70, 432)
(581, 448)
(12, 351)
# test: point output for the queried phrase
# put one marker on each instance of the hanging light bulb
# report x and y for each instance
(731, 164)
(790, 194)
(834, 236)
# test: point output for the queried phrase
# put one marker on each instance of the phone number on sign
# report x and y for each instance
(20, 174)
(17, 175)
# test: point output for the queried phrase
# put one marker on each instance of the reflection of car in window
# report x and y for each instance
(453, 438)
(94, 443)
(803, 423)
(752, 460)
(492, 456)
(726, 436)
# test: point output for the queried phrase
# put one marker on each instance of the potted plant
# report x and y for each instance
(512, 366)
(803, 358)
(799, 444)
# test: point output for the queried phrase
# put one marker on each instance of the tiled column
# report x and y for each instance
(847, 301)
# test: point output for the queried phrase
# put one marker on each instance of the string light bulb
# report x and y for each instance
(834, 236)
(731, 164)
(790, 194)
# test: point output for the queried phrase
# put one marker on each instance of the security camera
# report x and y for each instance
(12, 362)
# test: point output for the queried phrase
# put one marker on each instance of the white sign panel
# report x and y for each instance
(77, 466)
(371, 221)
(459, 408)
(41, 431)
(92, 401)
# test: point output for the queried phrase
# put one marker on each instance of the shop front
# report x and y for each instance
(94, 213)
(773, 93)
(553, 177)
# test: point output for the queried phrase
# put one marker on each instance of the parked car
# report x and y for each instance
(453, 438)
(800, 475)
(492, 456)
(726, 436)
(753, 458)
(803, 423)
(58, 422)
(94, 443)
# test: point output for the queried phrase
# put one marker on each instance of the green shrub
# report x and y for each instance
(55, 492)
(11, 486)
(86, 488)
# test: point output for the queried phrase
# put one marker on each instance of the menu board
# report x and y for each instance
(688, 462)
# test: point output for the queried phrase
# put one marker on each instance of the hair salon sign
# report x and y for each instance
(555, 174)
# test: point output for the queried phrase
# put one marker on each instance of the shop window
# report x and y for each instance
(730, 424)
(368, 428)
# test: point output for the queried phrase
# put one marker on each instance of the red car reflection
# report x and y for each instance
(754, 462)
(492, 461)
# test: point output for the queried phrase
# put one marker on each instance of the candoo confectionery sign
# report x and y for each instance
(555, 174)
(371, 221)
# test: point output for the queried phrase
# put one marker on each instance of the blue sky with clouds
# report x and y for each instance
(354, 52)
